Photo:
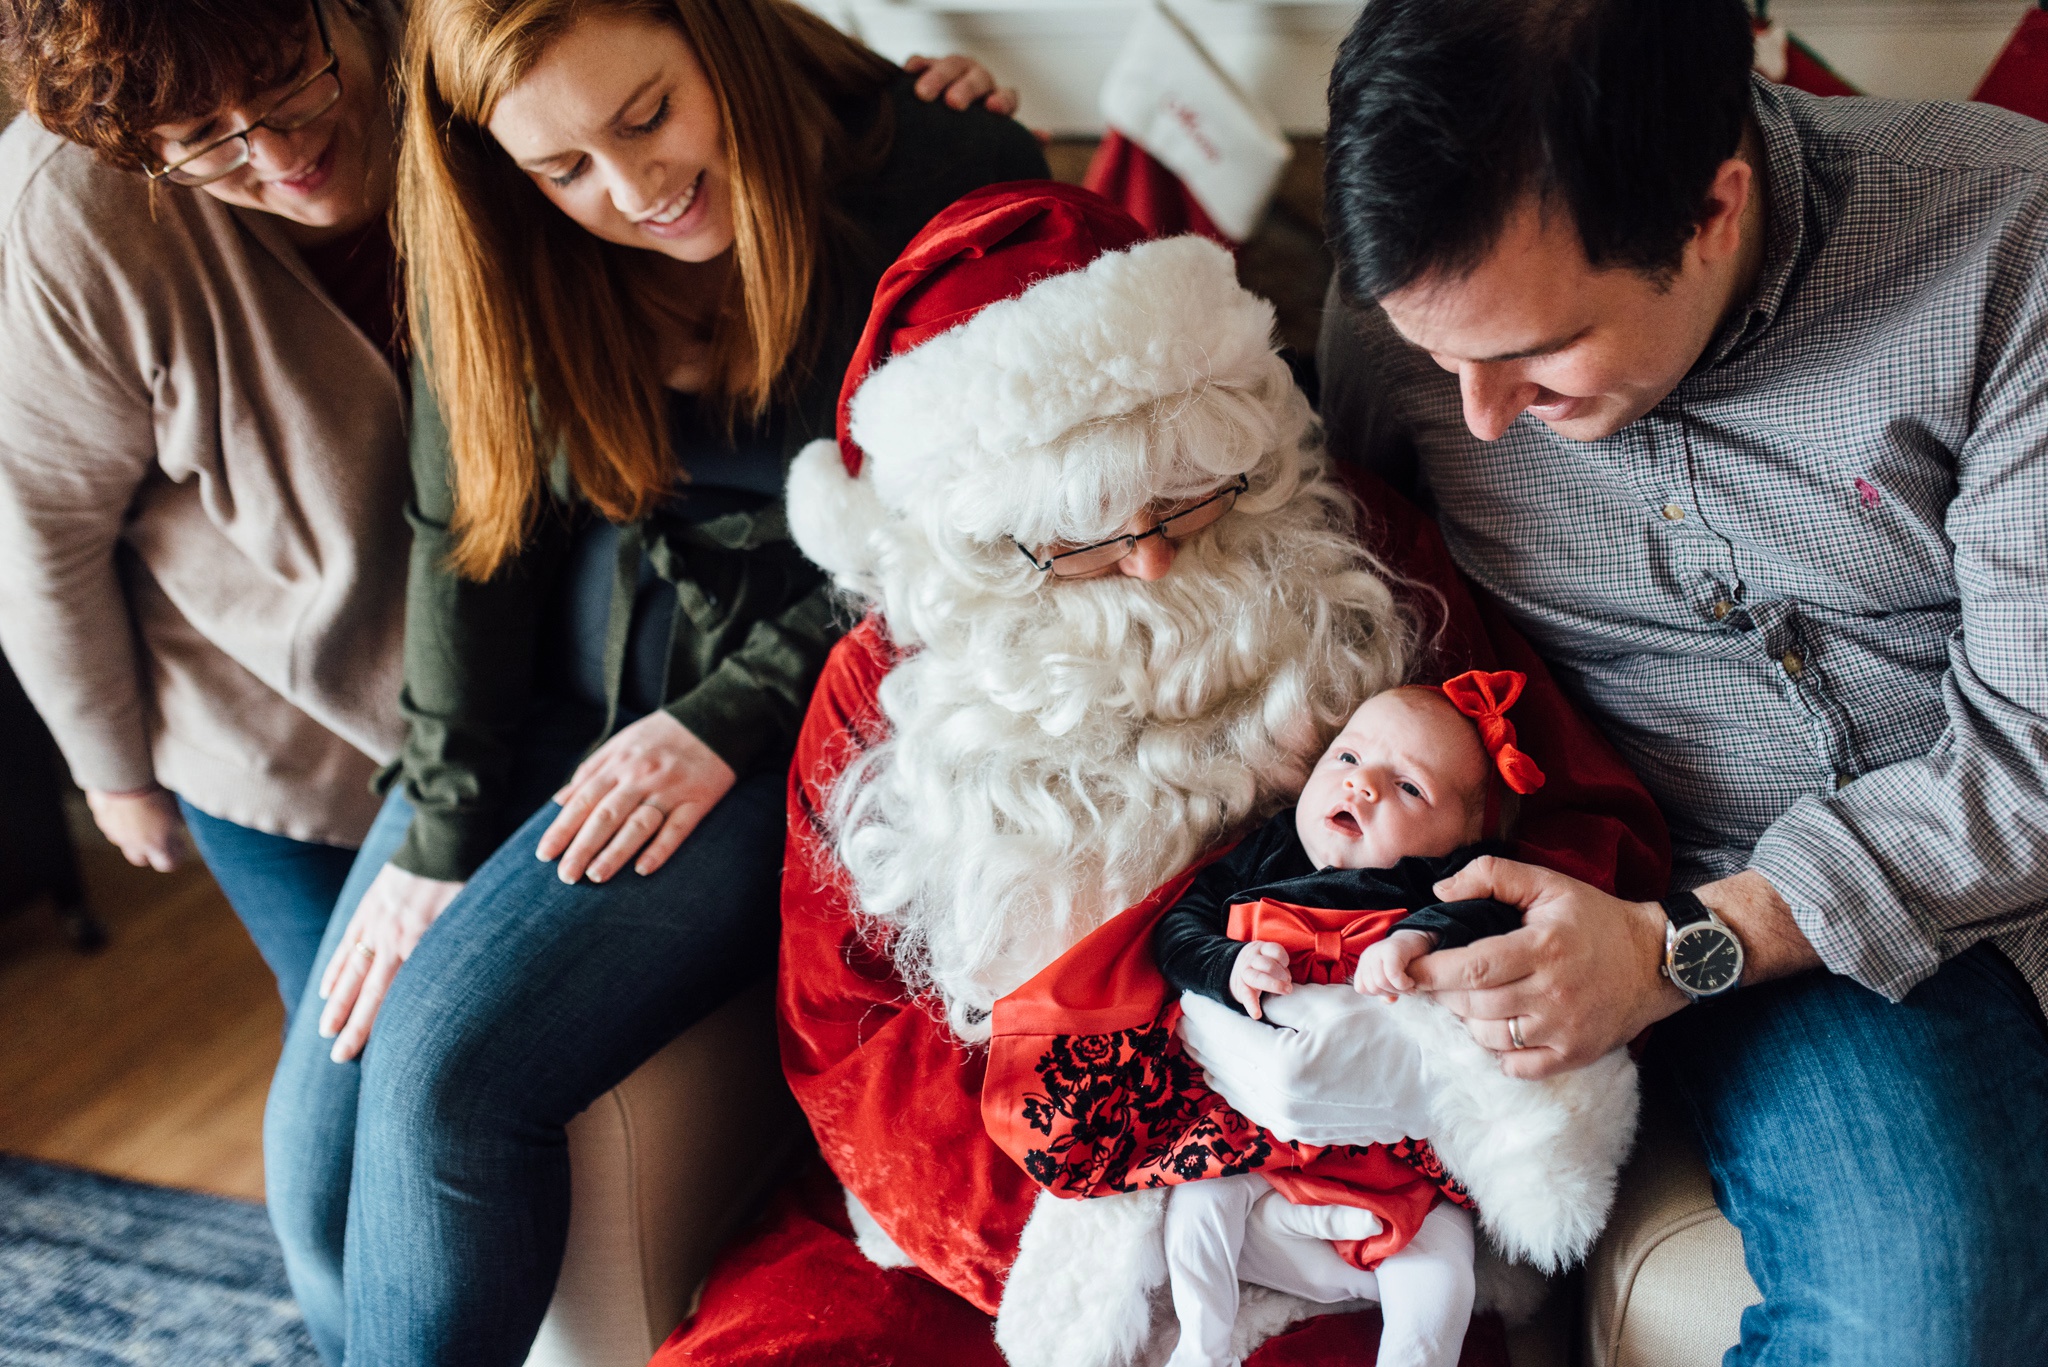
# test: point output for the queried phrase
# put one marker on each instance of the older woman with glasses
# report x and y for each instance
(202, 432)
(203, 411)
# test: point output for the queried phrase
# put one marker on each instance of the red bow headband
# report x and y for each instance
(1485, 697)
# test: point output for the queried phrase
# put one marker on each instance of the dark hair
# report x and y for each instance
(1444, 114)
(103, 73)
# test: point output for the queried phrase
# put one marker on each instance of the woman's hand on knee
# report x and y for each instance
(380, 937)
(642, 792)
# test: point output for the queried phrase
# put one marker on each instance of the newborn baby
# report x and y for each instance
(1418, 783)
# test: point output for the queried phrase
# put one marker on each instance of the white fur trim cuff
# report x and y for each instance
(1540, 1158)
(869, 1237)
(1080, 1292)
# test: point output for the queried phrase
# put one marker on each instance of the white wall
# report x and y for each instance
(1910, 49)
(1056, 51)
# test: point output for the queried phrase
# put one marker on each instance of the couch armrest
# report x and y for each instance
(1666, 1285)
(661, 1170)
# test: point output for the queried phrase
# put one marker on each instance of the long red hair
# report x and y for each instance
(531, 331)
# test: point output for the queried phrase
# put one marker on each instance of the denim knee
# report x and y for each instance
(437, 1089)
(413, 1098)
(1884, 1162)
(1909, 1286)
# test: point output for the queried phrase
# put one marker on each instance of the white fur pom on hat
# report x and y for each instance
(832, 513)
(1024, 324)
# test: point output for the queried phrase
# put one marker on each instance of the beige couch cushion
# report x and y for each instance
(661, 1169)
(1666, 1286)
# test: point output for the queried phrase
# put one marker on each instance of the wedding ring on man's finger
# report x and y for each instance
(648, 802)
(1515, 1032)
(364, 948)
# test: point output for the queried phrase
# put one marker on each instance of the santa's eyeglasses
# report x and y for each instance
(1100, 555)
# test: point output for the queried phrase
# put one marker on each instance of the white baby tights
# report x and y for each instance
(1228, 1229)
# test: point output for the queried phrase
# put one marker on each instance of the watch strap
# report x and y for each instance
(1685, 908)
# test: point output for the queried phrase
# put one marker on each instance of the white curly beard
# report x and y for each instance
(1058, 749)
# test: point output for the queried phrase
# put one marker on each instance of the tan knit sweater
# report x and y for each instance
(202, 478)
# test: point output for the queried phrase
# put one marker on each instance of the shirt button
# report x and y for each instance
(1722, 609)
(1673, 513)
(1794, 665)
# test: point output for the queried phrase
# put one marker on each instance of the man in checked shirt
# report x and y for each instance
(1738, 400)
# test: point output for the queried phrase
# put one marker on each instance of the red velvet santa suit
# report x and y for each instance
(896, 1099)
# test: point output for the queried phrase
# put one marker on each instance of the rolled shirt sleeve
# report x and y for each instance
(1914, 862)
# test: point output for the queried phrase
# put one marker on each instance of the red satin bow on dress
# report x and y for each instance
(1322, 944)
(1485, 696)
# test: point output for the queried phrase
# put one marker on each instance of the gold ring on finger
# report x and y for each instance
(364, 948)
(1515, 1032)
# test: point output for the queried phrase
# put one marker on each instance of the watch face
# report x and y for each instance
(1705, 959)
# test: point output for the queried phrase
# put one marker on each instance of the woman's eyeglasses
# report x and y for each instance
(302, 104)
(1100, 555)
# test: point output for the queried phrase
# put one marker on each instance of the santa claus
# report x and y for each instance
(1114, 603)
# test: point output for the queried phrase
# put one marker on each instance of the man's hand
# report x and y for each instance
(1579, 978)
(962, 81)
(144, 826)
(1336, 1071)
(381, 936)
(642, 793)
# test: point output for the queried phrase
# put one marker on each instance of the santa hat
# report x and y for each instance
(1027, 328)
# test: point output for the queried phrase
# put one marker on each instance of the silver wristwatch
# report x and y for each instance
(1702, 957)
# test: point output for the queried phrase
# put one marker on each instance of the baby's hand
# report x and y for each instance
(1383, 968)
(1261, 967)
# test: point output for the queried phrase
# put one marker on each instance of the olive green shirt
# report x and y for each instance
(754, 619)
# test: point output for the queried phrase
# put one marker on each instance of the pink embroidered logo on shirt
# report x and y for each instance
(1867, 491)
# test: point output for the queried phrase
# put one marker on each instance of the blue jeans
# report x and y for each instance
(283, 890)
(1886, 1164)
(422, 1192)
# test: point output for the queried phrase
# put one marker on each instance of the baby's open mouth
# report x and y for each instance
(1345, 822)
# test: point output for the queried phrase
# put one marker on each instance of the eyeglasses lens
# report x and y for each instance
(211, 164)
(1186, 524)
(1090, 561)
(306, 105)
(299, 108)
(1094, 559)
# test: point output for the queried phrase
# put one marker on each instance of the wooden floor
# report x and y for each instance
(149, 1059)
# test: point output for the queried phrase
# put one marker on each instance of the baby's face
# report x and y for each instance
(1406, 776)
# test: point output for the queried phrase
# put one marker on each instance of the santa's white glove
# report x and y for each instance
(1329, 1067)
(1281, 1218)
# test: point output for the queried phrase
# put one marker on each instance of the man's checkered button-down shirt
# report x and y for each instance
(1807, 594)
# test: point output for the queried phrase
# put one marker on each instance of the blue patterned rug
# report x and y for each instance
(98, 1272)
